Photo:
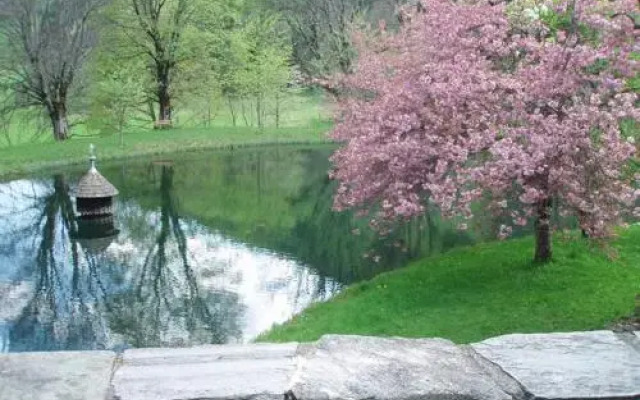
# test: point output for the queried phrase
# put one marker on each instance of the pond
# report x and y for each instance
(205, 248)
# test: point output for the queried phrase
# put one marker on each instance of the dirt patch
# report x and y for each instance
(626, 325)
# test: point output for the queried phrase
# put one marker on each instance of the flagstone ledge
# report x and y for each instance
(599, 365)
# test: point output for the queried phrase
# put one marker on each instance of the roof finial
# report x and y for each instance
(92, 157)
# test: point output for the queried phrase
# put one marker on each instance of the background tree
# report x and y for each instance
(47, 43)
(116, 97)
(169, 35)
(198, 91)
(261, 70)
(209, 45)
(154, 29)
(120, 86)
(321, 33)
(320, 30)
(456, 107)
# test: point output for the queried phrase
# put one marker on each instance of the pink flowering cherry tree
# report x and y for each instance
(460, 105)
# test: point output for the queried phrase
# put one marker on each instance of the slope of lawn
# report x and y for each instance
(26, 158)
(490, 289)
(25, 148)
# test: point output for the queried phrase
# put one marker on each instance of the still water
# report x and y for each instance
(205, 248)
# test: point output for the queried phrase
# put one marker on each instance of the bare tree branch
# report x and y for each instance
(48, 43)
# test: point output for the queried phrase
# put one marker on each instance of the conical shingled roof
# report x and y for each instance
(94, 186)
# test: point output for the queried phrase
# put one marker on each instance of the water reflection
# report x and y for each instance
(164, 281)
(61, 301)
(165, 290)
(210, 248)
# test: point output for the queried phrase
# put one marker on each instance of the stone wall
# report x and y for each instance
(582, 365)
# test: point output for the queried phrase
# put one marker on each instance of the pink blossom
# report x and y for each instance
(454, 107)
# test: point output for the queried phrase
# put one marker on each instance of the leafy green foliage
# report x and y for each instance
(563, 22)
(320, 31)
(118, 91)
(254, 68)
(634, 84)
(597, 67)
(223, 54)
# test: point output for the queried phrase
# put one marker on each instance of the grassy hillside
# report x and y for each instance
(30, 157)
(304, 119)
(485, 290)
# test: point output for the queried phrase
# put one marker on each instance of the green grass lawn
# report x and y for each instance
(478, 292)
(29, 157)
(305, 118)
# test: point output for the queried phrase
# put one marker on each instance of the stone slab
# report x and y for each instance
(55, 376)
(581, 365)
(206, 373)
(366, 368)
(630, 339)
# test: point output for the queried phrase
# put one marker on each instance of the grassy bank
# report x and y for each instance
(29, 157)
(482, 291)
(25, 146)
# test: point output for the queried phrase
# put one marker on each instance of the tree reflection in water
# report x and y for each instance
(68, 303)
(213, 248)
(344, 247)
(168, 299)
(83, 298)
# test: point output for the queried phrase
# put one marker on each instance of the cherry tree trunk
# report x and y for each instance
(59, 122)
(543, 231)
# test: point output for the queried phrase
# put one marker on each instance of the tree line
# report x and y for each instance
(108, 62)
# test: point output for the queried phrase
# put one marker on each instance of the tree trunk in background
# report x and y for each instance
(151, 109)
(164, 97)
(209, 113)
(164, 101)
(244, 112)
(233, 111)
(543, 231)
(122, 120)
(277, 110)
(581, 217)
(259, 110)
(59, 122)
